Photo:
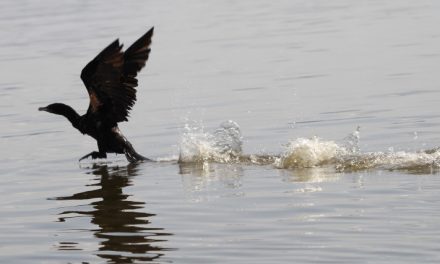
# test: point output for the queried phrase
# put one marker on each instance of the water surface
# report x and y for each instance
(291, 178)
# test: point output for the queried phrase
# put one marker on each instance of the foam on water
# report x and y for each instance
(314, 152)
(224, 145)
(401, 160)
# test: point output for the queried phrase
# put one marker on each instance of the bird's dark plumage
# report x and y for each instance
(110, 79)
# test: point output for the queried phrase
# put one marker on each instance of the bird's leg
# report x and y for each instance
(100, 154)
(94, 155)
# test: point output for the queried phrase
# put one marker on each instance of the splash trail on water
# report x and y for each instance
(224, 145)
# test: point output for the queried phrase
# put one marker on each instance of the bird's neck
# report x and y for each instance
(69, 113)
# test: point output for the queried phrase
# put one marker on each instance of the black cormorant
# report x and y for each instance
(110, 79)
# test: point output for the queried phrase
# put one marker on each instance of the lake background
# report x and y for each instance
(285, 72)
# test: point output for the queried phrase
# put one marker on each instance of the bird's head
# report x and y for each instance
(56, 108)
(64, 110)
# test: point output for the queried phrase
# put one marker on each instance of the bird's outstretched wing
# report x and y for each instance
(110, 78)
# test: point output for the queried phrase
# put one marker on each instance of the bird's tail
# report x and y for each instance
(132, 155)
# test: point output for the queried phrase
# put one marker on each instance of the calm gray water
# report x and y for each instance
(332, 105)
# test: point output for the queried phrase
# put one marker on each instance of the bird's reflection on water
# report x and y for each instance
(122, 226)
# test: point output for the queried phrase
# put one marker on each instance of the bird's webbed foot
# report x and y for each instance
(94, 155)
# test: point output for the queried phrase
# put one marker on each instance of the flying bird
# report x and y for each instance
(110, 79)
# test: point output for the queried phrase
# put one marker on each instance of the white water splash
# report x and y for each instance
(307, 153)
(223, 145)
(351, 143)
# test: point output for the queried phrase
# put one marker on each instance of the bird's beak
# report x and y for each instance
(42, 108)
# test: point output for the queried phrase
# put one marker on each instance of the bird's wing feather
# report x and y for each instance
(110, 78)
(137, 54)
